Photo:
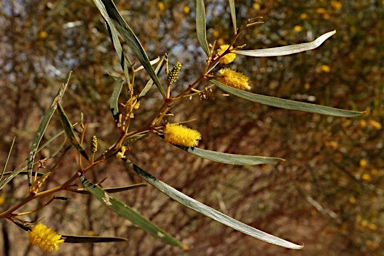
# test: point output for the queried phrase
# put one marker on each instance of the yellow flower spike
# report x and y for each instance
(234, 79)
(227, 58)
(181, 135)
(172, 76)
(45, 238)
(94, 144)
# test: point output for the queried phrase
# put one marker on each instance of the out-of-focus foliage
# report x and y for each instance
(328, 194)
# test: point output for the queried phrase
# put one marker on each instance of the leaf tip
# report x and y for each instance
(186, 247)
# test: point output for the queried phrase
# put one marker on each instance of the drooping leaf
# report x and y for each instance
(210, 212)
(287, 104)
(111, 190)
(43, 126)
(68, 128)
(92, 239)
(112, 16)
(130, 214)
(114, 100)
(230, 158)
(286, 50)
(201, 27)
(233, 15)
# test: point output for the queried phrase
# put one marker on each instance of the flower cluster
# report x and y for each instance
(227, 58)
(181, 135)
(234, 79)
(45, 238)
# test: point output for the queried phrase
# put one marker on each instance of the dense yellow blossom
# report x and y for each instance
(234, 79)
(227, 58)
(181, 135)
(45, 238)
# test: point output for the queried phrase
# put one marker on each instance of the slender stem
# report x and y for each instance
(41, 207)
(32, 196)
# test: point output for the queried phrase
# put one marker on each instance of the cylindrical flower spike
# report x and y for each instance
(234, 79)
(227, 58)
(45, 238)
(172, 76)
(181, 135)
(94, 144)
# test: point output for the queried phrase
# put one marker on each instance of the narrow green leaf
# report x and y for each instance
(130, 214)
(286, 50)
(201, 28)
(92, 239)
(287, 104)
(233, 15)
(112, 16)
(111, 190)
(43, 126)
(230, 158)
(118, 48)
(114, 100)
(69, 131)
(210, 212)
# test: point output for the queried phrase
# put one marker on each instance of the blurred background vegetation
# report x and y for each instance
(327, 195)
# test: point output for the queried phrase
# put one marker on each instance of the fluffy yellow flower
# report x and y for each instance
(227, 58)
(45, 238)
(234, 79)
(181, 135)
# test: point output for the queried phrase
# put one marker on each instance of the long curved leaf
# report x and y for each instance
(201, 28)
(111, 190)
(112, 16)
(230, 158)
(118, 48)
(43, 126)
(287, 104)
(130, 214)
(286, 50)
(92, 239)
(210, 212)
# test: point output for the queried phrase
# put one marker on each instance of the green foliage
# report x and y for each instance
(128, 213)
(209, 212)
(332, 175)
(287, 104)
